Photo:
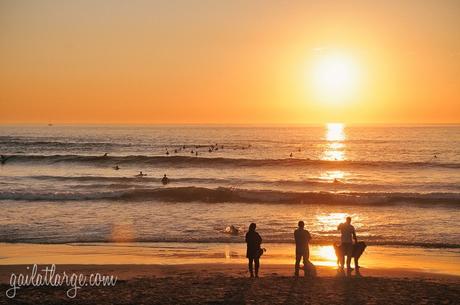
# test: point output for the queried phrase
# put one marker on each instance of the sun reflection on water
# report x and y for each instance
(335, 132)
(334, 148)
(328, 222)
(122, 232)
(333, 155)
(324, 256)
(331, 175)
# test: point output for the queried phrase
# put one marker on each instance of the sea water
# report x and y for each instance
(400, 184)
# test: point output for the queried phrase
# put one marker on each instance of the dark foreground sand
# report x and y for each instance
(229, 284)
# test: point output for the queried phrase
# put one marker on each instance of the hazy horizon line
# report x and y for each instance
(227, 124)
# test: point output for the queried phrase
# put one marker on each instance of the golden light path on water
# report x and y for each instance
(335, 135)
(335, 132)
(334, 150)
(329, 222)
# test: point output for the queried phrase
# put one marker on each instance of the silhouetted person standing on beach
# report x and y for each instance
(347, 232)
(253, 253)
(302, 238)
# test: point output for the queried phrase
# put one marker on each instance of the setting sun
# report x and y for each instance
(335, 77)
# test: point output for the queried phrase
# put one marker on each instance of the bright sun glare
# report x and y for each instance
(334, 77)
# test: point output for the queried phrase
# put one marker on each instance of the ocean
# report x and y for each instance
(400, 184)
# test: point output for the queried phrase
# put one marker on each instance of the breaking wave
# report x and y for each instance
(228, 194)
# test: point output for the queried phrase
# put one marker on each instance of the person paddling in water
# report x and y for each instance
(253, 252)
(141, 174)
(3, 159)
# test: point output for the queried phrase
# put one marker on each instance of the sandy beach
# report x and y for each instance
(169, 273)
(229, 284)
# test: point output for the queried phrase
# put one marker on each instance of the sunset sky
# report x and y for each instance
(197, 61)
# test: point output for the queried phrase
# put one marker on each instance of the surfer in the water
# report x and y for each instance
(165, 180)
(116, 167)
(232, 230)
(3, 159)
(141, 174)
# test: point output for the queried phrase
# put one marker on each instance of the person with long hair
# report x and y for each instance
(253, 252)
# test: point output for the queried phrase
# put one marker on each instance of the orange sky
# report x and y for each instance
(198, 61)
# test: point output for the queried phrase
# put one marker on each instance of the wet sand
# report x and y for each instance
(442, 261)
(229, 284)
